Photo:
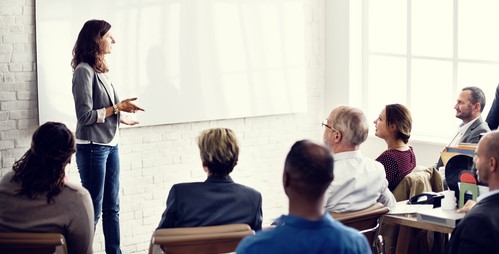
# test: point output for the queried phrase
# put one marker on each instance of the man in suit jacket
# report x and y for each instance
(478, 231)
(469, 106)
(218, 200)
(493, 116)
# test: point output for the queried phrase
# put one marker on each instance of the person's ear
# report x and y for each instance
(477, 106)
(337, 136)
(205, 167)
(286, 180)
(393, 127)
(493, 165)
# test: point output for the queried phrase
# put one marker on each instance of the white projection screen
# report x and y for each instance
(186, 60)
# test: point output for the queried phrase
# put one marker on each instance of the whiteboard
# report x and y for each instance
(186, 60)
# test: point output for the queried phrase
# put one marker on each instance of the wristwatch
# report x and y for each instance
(115, 109)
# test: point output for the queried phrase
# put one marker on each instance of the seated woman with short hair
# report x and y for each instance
(394, 125)
(35, 198)
(218, 200)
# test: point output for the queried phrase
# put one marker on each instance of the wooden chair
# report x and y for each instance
(367, 221)
(201, 240)
(31, 243)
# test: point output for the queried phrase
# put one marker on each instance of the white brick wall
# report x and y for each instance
(155, 158)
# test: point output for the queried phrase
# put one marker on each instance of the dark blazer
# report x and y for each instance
(493, 116)
(217, 201)
(90, 94)
(472, 135)
(478, 231)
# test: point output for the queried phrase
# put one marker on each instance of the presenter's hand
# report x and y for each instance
(128, 121)
(128, 106)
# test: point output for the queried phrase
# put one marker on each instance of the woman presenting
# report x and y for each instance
(98, 116)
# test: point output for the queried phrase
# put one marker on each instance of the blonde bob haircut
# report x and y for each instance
(219, 150)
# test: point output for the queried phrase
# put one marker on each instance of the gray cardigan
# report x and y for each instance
(71, 215)
(90, 94)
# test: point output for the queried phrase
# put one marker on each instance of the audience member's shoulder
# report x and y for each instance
(350, 237)
(375, 165)
(75, 188)
(7, 177)
(181, 186)
(74, 193)
(248, 189)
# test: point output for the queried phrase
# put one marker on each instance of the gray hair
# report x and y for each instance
(351, 122)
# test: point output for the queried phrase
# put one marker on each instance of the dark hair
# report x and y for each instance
(219, 150)
(42, 168)
(400, 116)
(311, 168)
(87, 46)
(477, 96)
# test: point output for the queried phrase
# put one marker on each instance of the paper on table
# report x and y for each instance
(403, 208)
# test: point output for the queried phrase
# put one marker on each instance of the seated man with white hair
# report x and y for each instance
(359, 181)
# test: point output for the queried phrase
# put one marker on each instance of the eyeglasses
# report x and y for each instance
(324, 123)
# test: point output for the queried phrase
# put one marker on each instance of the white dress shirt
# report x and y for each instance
(488, 194)
(358, 183)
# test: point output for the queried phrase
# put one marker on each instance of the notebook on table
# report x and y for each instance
(439, 216)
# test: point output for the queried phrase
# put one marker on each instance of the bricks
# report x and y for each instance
(21, 114)
(7, 96)
(15, 38)
(6, 144)
(7, 125)
(14, 105)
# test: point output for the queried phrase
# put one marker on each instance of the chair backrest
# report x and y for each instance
(202, 240)
(453, 169)
(367, 221)
(31, 243)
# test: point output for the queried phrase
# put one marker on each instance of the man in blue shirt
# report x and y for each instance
(308, 171)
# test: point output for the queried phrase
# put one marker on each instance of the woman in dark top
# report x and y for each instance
(394, 125)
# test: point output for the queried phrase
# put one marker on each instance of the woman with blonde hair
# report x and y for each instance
(394, 125)
(218, 200)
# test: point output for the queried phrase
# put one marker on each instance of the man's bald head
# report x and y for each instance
(487, 158)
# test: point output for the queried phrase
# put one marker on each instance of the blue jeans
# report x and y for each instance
(99, 168)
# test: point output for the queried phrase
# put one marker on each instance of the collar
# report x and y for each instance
(347, 155)
(486, 195)
(464, 127)
(218, 179)
(296, 221)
